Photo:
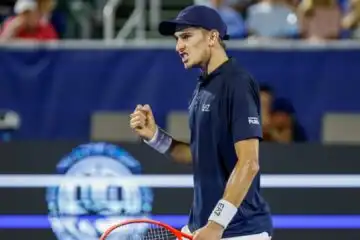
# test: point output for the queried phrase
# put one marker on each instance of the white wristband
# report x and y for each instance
(223, 213)
(161, 141)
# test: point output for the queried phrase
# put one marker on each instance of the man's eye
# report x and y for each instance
(186, 37)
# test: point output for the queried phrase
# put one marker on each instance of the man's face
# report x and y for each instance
(192, 44)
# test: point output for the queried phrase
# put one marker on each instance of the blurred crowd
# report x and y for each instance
(30, 19)
(314, 20)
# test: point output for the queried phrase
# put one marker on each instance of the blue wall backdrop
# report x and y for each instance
(56, 90)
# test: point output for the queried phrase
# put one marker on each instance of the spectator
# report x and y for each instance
(343, 4)
(272, 19)
(285, 128)
(28, 23)
(266, 99)
(293, 4)
(10, 122)
(351, 20)
(233, 19)
(45, 8)
(50, 15)
(320, 19)
(241, 5)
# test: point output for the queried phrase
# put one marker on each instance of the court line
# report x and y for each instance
(280, 221)
(177, 181)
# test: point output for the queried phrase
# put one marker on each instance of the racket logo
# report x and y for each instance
(78, 212)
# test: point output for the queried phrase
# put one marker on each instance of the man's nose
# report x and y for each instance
(180, 46)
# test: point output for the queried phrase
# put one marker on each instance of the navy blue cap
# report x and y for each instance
(196, 16)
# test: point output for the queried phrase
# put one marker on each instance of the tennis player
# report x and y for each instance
(225, 129)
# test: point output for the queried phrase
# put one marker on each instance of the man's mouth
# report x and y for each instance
(184, 57)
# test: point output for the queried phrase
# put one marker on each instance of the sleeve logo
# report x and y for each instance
(253, 120)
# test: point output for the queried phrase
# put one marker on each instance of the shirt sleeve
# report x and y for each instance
(244, 109)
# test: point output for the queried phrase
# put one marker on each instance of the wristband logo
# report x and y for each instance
(219, 208)
(84, 212)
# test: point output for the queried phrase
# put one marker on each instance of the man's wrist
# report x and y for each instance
(154, 137)
(215, 225)
(161, 141)
(223, 213)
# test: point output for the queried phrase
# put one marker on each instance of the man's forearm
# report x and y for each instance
(244, 172)
(236, 189)
(180, 152)
(240, 181)
(238, 184)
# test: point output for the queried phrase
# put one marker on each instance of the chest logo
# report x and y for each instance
(205, 108)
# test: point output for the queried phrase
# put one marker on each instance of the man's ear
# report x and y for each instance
(213, 37)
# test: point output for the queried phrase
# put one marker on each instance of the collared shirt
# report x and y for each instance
(225, 109)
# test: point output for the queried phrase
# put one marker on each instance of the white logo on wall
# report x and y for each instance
(84, 212)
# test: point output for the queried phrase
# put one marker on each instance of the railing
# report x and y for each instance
(155, 11)
(136, 21)
(109, 18)
(81, 11)
(265, 45)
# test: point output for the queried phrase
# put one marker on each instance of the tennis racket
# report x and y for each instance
(143, 229)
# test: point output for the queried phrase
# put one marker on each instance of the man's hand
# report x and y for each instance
(212, 231)
(142, 121)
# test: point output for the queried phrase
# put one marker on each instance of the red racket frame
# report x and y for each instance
(180, 235)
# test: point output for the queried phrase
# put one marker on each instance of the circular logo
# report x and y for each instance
(78, 212)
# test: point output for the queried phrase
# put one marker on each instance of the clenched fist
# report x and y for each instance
(142, 122)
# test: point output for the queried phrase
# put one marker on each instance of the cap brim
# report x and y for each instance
(168, 28)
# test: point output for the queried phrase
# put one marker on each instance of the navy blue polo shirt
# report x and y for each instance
(225, 109)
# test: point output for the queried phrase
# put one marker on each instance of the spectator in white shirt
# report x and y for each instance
(272, 19)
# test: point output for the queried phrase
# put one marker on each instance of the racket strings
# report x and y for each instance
(158, 233)
(141, 231)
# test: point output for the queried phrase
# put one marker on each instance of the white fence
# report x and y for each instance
(278, 45)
